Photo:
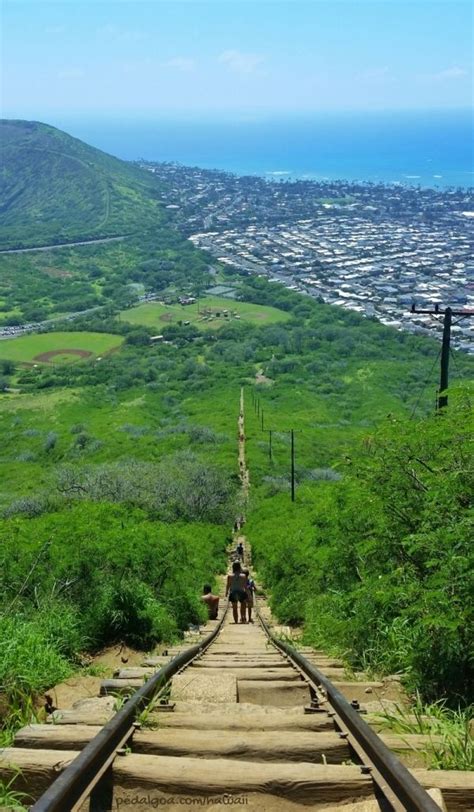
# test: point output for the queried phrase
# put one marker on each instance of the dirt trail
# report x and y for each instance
(243, 470)
(240, 538)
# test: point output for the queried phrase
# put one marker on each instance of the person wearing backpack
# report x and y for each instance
(250, 589)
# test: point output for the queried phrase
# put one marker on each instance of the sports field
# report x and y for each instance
(58, 348)
(209, 314)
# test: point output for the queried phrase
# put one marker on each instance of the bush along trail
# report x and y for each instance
(374, 558)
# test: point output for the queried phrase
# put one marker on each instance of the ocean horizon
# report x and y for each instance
(429, 149)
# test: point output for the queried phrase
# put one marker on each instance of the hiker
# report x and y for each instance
(211, 601)
(250, 589)
(236, 589)
(239, 550)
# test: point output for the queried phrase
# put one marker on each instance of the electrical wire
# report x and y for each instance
(453, 356)
(425, 385)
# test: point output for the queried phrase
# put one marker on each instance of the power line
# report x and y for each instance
(425, 385)
(292, 433)
(442, 400)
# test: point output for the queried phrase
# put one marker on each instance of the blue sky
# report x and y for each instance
(187, 57)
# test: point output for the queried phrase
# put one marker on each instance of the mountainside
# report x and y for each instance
(54, 188)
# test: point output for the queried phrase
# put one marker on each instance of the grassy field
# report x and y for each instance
(58, 348)
(209, 316)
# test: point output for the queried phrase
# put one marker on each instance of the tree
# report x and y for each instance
(7, 367)
(138, 337)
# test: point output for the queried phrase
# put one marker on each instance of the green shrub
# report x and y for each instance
(30, 659)
(128, 611)
(379, 565)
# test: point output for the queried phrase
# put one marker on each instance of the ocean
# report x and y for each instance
(432, 149)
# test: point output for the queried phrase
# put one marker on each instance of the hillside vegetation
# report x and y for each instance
(120, 477)
(54, 188)
(378, 565)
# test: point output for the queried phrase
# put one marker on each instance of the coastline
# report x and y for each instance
(432, 149)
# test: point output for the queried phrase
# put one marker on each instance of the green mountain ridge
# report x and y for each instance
(55, 188)
(57, 191)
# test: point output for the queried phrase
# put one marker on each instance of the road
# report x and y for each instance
(62, 245)
(21, 329)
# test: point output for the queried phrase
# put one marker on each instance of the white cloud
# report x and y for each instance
(450, 73)
(71, 73)
(374, 74)
(181, 63)
(138, 65)
(116, 34)
(240, 62)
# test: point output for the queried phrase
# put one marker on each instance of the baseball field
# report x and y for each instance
(58, 348)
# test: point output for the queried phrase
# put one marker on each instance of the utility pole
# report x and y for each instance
(448, 313)
(292, 465)
(292, 433)
(445, 347)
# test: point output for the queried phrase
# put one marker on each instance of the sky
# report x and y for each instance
(252, 57)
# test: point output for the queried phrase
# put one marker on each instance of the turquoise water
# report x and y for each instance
(427, 149)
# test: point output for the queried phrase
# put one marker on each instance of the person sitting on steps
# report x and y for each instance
(236, 589)
(211, 601)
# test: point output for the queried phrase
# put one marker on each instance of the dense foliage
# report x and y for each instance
(379, 565)
(81, 577)
(44, 284)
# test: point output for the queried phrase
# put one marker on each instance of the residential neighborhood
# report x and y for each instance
(370, 248)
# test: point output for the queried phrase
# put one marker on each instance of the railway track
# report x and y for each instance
(236, 717)
(247, 721)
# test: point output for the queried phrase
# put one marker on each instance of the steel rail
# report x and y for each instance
(80, 776)
(393, 773)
